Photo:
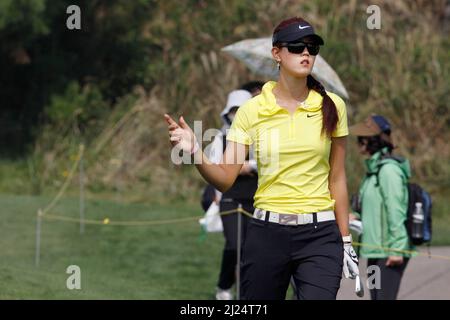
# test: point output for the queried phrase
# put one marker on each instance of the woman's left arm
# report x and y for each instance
(337, 182)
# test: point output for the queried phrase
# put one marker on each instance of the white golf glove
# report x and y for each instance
(351, 270)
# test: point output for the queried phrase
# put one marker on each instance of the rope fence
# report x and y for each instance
(43, 214)
(107, 221)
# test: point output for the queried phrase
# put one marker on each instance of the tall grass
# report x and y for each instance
(400, 71)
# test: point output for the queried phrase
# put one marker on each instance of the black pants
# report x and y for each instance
(230, 223)
(272, 253)
(390, 279)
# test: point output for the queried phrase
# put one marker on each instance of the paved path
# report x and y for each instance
(424, 279)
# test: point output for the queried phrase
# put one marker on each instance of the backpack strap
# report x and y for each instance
(381, 164)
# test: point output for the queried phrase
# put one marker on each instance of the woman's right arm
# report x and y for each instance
(221, 175)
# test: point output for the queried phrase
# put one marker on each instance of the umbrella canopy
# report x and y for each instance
(256, 55)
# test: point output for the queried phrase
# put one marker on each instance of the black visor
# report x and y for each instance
(295, 32)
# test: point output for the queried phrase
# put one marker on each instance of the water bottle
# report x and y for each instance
(418, 219)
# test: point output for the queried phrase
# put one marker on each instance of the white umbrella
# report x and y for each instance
(256, 55)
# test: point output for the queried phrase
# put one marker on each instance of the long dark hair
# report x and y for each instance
(375, 144)
(329, 111)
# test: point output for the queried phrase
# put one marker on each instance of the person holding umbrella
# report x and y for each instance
(298, 130)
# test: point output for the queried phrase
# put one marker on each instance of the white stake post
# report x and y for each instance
(238, 267)
(81, 192)
(37, 255)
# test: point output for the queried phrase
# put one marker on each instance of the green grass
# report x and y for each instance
(441, 219)
(117, 262)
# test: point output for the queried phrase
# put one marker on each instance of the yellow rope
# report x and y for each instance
(107, 221)
(43, 213)
(359, 244)
(66, 182)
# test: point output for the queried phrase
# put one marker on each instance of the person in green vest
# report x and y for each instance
(382, 204)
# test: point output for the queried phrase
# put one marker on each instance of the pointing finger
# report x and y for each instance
(169, 120)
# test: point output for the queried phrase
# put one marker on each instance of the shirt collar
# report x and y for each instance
(269, 104)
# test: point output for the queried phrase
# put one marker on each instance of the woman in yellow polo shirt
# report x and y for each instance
(298, 131)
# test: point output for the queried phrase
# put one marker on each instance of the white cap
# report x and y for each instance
(236, 98)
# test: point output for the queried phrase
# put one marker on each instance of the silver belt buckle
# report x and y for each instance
(259, 214)
(288, 219)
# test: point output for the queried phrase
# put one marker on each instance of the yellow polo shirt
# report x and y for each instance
(292, 155)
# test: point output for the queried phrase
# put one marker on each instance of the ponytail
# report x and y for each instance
(329, 111)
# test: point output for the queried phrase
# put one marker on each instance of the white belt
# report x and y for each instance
(293, 219)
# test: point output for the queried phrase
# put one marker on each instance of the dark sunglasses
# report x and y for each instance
(299, 47)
